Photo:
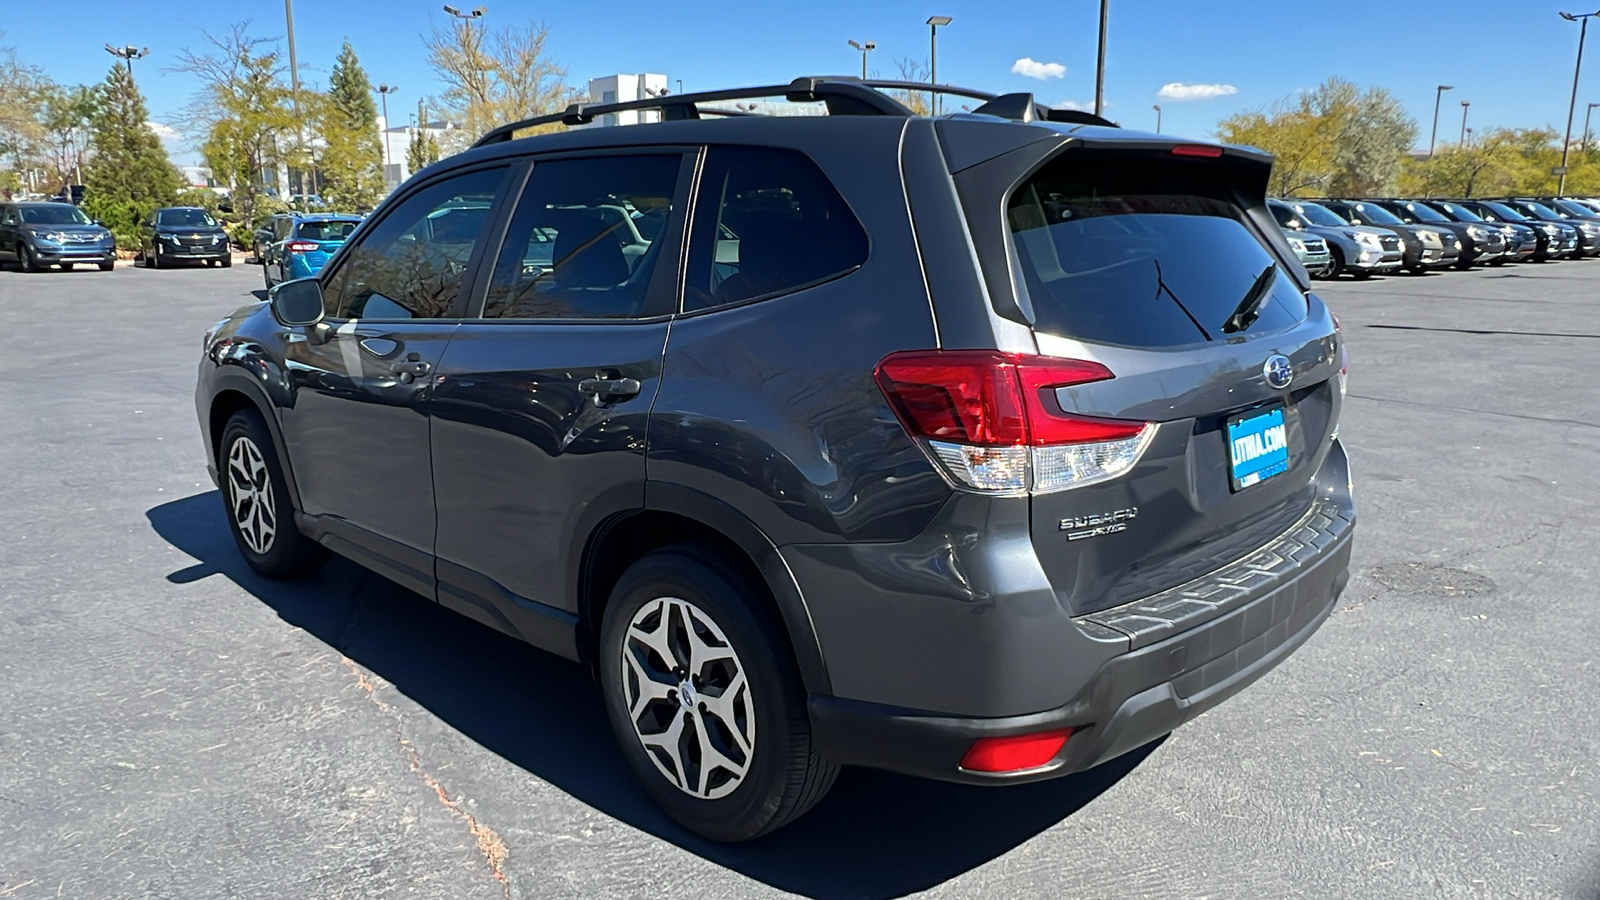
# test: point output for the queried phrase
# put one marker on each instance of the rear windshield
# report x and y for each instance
(325, 231)
(1140, 253)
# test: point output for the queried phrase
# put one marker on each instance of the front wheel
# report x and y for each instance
(30, 263)
(256, 499)
(1335, 265)
(66, 267)
(705, 698)
(227, 261)
(107, 266)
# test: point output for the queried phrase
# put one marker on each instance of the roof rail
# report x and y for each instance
(844, 96)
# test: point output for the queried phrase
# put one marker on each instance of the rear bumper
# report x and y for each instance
(1179, 653)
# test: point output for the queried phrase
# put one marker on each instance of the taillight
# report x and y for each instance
(993, 423)
(301, 246)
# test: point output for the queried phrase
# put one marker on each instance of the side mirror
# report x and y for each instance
(296, 303)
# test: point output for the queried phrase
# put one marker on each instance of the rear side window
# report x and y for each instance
(767, 221)
(1140, 253)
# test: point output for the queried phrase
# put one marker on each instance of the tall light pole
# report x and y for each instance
(477, 12)
(1572, 107)
(1586, 116)
(866, 48)
(1438, 93)
(384, 90)
(1157, 108)
(933, 59)
(294, 98)
(128, 54)
(1100, 65)
(1469, 137)
(1465, 105)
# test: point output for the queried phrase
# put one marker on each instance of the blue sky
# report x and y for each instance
(1263, 50)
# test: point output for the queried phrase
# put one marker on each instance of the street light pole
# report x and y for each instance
(1465, 105)
(1586, 116)
(1572, 107)
(128, 54)
(1438, 93)
(1100, 66)
(1157, 108)
(865, 48)
(294, 98)
(933, 59)
(384, 90)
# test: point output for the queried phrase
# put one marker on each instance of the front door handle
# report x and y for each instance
(412, 368)
(610, 390)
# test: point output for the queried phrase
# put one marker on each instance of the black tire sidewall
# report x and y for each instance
(769, 670)
(291, 552)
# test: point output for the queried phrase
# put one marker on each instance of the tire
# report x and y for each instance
(691, 594)
(255, 498)
(1336, 265)
(107, 266)
(1361, 274)
(30, 263)
(266, 275)
(152, 260)
(226, 262)
(66, 267)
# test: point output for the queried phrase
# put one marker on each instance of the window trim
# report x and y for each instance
(667, 279)
(469, 276)
(688, 249)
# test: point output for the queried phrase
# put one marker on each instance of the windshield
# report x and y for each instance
(1423, 213)
(1537, 210)
(1287, 217)
(1460, 213)
(53, 215)
(1319, 215)
(1373, 214)
(1140, 255)
(192, 218)
(1573, 209)
(1505, 212)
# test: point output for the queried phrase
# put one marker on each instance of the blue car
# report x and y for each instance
(300, 245)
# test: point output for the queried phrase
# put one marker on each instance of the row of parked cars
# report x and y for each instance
(1379, 236)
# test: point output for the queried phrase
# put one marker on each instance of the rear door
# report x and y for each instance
(10, 235)
(1139, 262)
(542, 399)
(357, 424)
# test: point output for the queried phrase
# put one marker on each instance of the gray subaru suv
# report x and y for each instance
(985, 447)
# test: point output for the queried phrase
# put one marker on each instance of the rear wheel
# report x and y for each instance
(256, 500)
(705, 698)
(226, 262)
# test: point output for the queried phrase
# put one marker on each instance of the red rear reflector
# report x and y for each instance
(1016, 753)
(1197, 150)
(301, 246)
(993, 399)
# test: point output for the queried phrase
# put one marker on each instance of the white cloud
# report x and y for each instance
(1177, 90)
(1041, 70)
(1075, 106)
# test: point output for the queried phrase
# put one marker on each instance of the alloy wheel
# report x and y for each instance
(250, 496)
(688, 698)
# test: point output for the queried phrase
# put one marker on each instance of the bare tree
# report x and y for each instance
(494, 76)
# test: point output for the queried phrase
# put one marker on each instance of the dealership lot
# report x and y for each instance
(175, 726)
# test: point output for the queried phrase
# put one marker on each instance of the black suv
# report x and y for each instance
(985, 447)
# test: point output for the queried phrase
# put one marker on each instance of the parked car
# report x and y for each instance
(1556, 240)
(1312, 251)
(1522, 242)
(1580, 216)
(1425, 248)
(982, 529)
(39, 235)
(1588, 238)
(1480, 245)
(175, 234)
(1356, 249)
(301, 245)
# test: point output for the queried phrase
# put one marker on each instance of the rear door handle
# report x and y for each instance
(610, 390)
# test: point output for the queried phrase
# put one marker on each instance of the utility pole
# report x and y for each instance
(1100, 66)
(1465, 105)
(1157, 108)
(1586, 116)
(1572, 107)
(1437, 94)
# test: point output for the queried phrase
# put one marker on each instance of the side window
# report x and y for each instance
(585, 239)
(280, 227)
(767, 221)
(9, 217)
(409, 265)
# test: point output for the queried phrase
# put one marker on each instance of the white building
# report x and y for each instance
(623, 88)
(397, 145)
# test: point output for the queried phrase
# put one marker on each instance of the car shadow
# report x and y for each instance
(877, 834)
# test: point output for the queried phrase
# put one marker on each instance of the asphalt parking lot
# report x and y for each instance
(173, 726)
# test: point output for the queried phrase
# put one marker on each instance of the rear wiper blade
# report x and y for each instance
(1248, 310)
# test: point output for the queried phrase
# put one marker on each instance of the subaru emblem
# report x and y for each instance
(1278, 371)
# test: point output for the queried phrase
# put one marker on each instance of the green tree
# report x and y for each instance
(20, 133)
(423, 151)
(66, 119)
(352, 157)
(129, 174)
(494, 77)
(243, 115)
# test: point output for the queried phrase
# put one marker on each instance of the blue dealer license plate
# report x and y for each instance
(1258, 446)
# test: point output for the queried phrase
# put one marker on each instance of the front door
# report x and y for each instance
(357, 426)
(542, 401)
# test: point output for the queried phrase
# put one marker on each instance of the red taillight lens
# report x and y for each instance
(301, 246)
(993, 399)
(1197, 150)
(1016, 753)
